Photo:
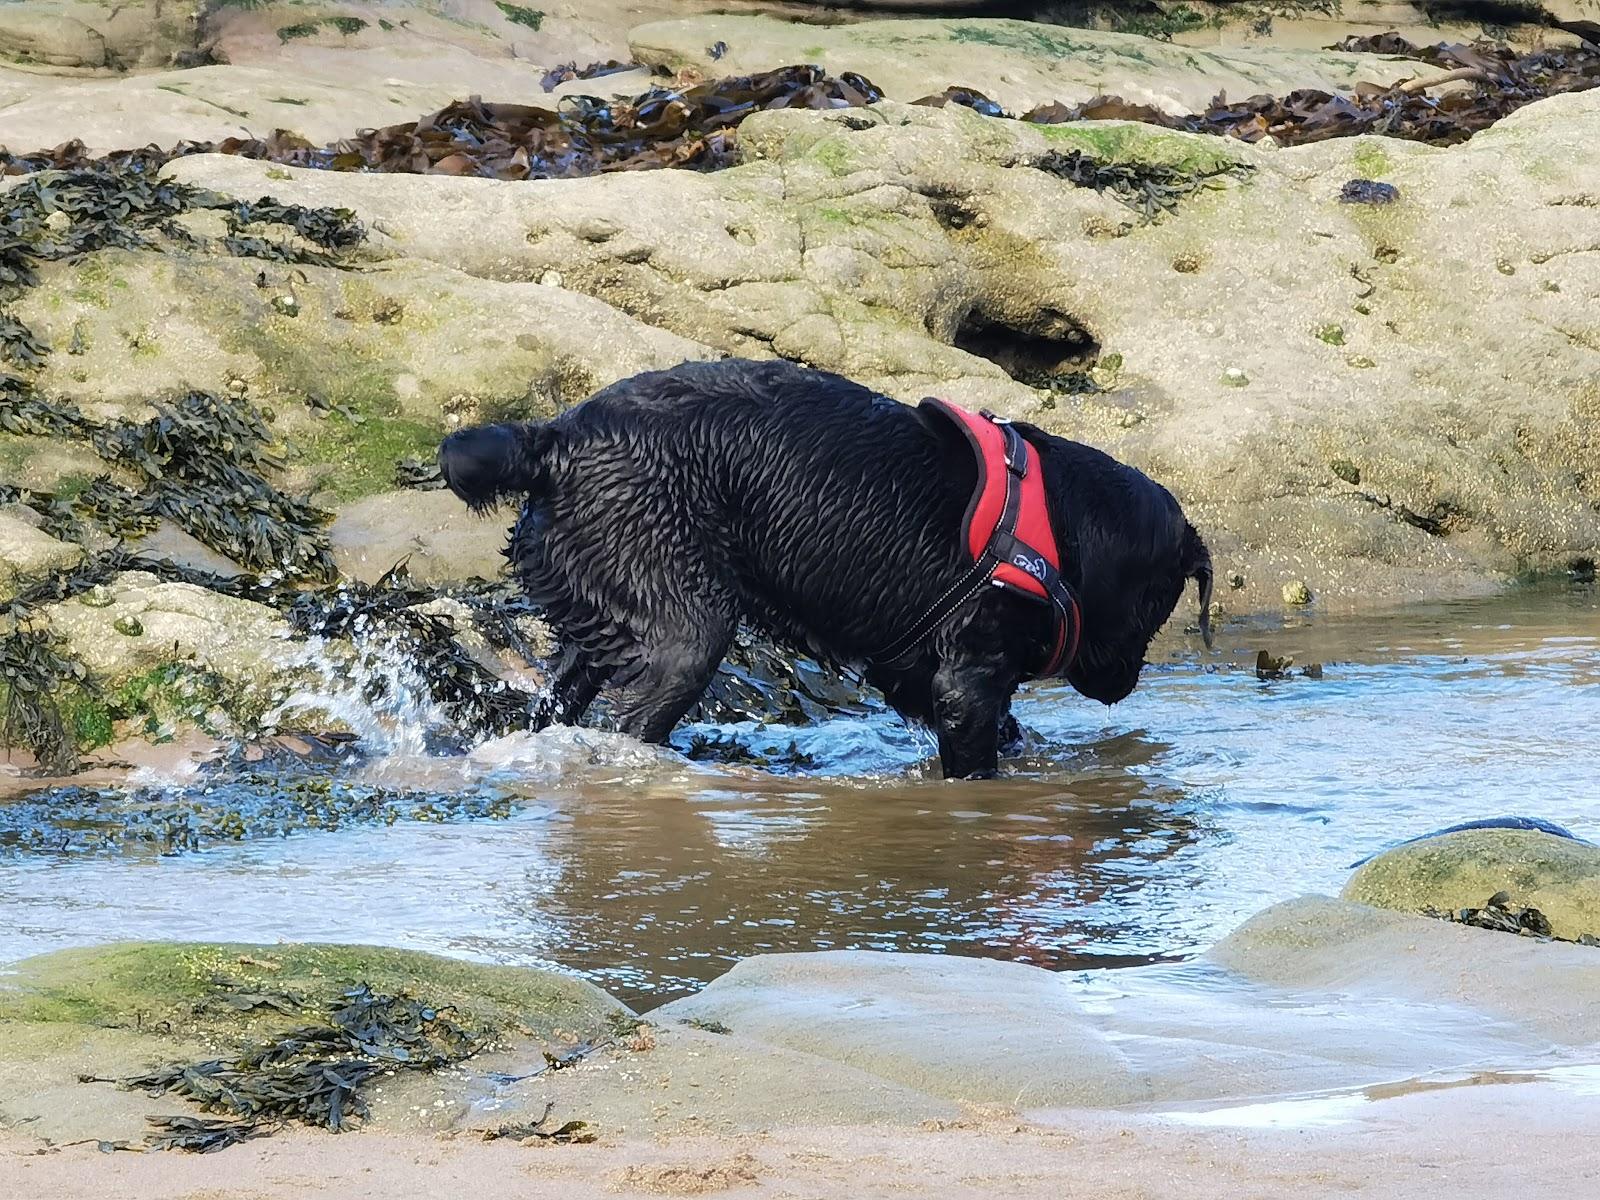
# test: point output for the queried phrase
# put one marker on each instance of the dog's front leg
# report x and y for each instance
(969, 704)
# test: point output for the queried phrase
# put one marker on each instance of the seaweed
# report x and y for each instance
(564, 72)
(1150, 189)
(311, 1074)
(705, 1026)
(222, 807)
(422, 475)
(761, 680)
(389, 610)
(690, 127)
(204, 458)
(1494, 82)
(572, 1133)
(1367, 191)
(518, 14)
(1270, 667)
(1498, 914)
(726, 748)
(18, 343)
(964, 97)
(33, 677)
(200, 1135)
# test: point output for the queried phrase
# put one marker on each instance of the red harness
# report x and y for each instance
(1008, 533)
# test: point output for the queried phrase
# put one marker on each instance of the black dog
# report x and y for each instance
(667, 508)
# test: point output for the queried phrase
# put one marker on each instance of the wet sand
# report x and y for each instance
(1517, 1141)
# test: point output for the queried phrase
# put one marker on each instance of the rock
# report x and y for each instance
(86, 35)
(1558, 876)
(1296, 594)
(26, 551)
(401, 351)
(1307, 997)
(319, 81)
(1320, 946)
(433, 531)
(902, 244)
(968, 1029)
(244, 643)
(47, 465)
(113, 1010)
(1019, 64)
(171, 544)
(1538, 824)
(686, 1081)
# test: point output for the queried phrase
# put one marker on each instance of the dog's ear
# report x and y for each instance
(1196, 565)
(490, 463)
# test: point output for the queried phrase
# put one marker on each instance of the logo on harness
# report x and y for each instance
(1033, 566)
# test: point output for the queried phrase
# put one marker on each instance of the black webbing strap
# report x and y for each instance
(978, 576)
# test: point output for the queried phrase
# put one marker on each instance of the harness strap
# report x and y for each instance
(1003, 547)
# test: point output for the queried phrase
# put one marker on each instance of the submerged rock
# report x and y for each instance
(960, 1028)
(1309, 995)
(1560, 877)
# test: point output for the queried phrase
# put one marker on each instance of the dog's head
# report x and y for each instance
(1131, 552)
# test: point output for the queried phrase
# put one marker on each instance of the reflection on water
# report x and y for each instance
(1126, 835)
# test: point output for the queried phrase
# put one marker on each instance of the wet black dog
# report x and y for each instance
(667, 508)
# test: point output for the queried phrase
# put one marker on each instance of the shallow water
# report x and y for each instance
(1126, 836)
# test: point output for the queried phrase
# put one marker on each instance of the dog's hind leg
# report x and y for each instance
(577, 682)
(677, 668)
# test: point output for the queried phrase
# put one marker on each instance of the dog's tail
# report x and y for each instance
(1197, 566)
(487, 464)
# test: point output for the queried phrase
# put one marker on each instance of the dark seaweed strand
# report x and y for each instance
(313, 1074)
(1148, 188)
(202, 459)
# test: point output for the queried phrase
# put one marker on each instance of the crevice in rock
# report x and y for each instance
(1056, 352)
(952, 209)
(1442, 519)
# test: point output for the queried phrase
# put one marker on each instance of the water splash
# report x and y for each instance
(377, 690)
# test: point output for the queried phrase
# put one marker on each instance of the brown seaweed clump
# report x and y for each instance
(689, 127)
(1485, 83)
(1150, 189)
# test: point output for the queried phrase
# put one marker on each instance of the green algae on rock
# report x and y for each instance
(261, 1032)
(192, 990)
(1557, 876)
(225, 807)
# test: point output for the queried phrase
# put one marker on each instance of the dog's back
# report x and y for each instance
(824, 508)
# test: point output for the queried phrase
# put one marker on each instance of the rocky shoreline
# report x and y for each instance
(1294, 338)
(199, 1047)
